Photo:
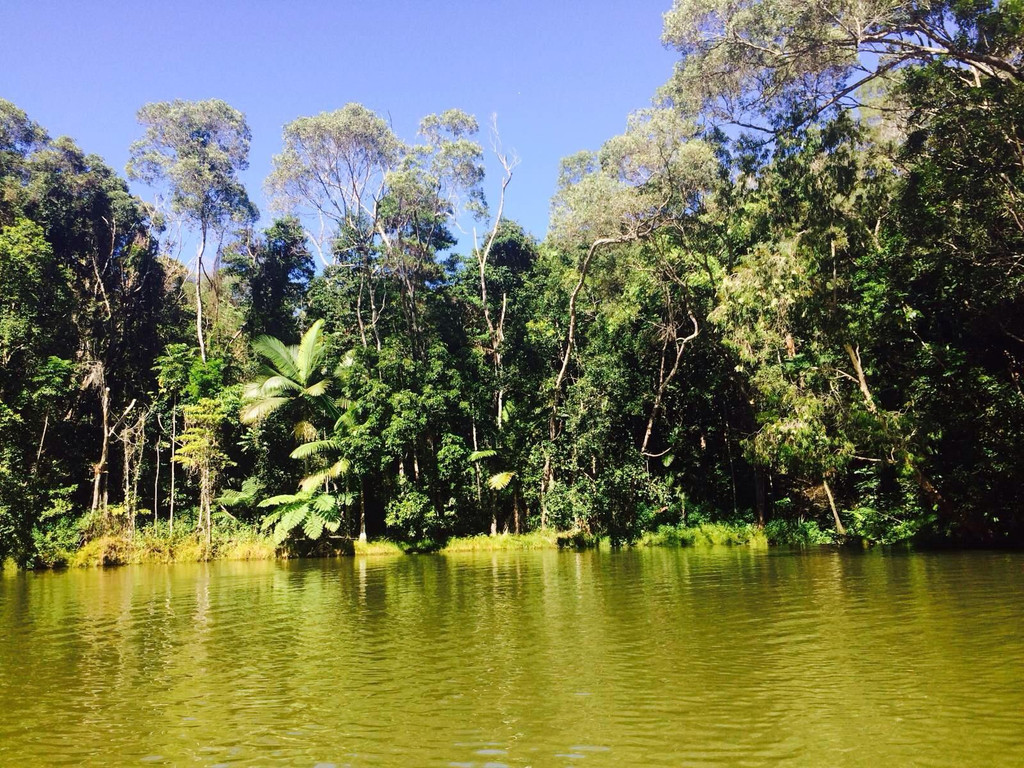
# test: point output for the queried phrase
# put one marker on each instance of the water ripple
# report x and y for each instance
(653, 657)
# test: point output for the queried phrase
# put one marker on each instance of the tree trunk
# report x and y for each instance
(199, 293)
(664, 380)
(99, 471)
(362, 510)
(545, 480)
(835, 512)
(42, 440)
(156, 481)
(174, 440)
(760, 495)
(209, 503)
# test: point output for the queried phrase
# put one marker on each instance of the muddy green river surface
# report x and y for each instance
(635, 658)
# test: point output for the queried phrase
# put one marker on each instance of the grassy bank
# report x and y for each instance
(376, 548)
(241, 542)
(743, 534)
(147, 547)
(504, 542)
(702, 535)
(706, 535)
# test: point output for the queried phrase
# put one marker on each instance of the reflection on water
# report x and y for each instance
(647, 657)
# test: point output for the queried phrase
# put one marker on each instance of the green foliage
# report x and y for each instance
(197, 148)
(412, 516)
(807, 337)
(273, 274)
(315, 512)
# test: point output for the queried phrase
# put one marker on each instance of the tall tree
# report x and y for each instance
(766, 63)
(196, 149)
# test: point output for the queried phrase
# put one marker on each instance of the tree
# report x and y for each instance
(766, 63)
(383, 207)
(197, 150)
(274, 272)
(333, 168)
(649, 179)
(200, 451)
(291, 375)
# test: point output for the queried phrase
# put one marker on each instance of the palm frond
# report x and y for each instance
(314, 448)
(251, 488)
(270, 519)
(274, 385)
(325, 505)
(340, 467)
(314, 526)
(499, 481)
(293, 516)
(278, 354)
(258, 410)
(252, 390)
(310, 351)
(478, 455)
(319, 389)
(284, 498)
(311, 482)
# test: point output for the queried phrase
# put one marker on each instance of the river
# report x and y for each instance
(654, 657)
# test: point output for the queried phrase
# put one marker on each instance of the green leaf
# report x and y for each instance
(286, 498)
(319, 389)
(501, 480)
(324, 504)
(310, 351)
(314, 526)
(278, 354)
(259, 410)
(314, 448)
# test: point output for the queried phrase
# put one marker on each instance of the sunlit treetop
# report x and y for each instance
(768, 63)
(196, 148)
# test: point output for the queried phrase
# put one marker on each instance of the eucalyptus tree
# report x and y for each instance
(332, 172)
(648, 180)
(196, 149)
(380, 206)
(765, 63)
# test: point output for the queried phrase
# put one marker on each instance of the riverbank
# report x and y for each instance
(148, 545)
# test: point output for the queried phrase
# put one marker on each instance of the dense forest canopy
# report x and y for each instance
(789, 294)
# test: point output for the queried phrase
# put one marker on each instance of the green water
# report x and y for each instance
(652, 657)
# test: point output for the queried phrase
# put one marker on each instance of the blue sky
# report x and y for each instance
(561, 75)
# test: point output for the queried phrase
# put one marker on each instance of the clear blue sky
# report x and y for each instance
(562, 75)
